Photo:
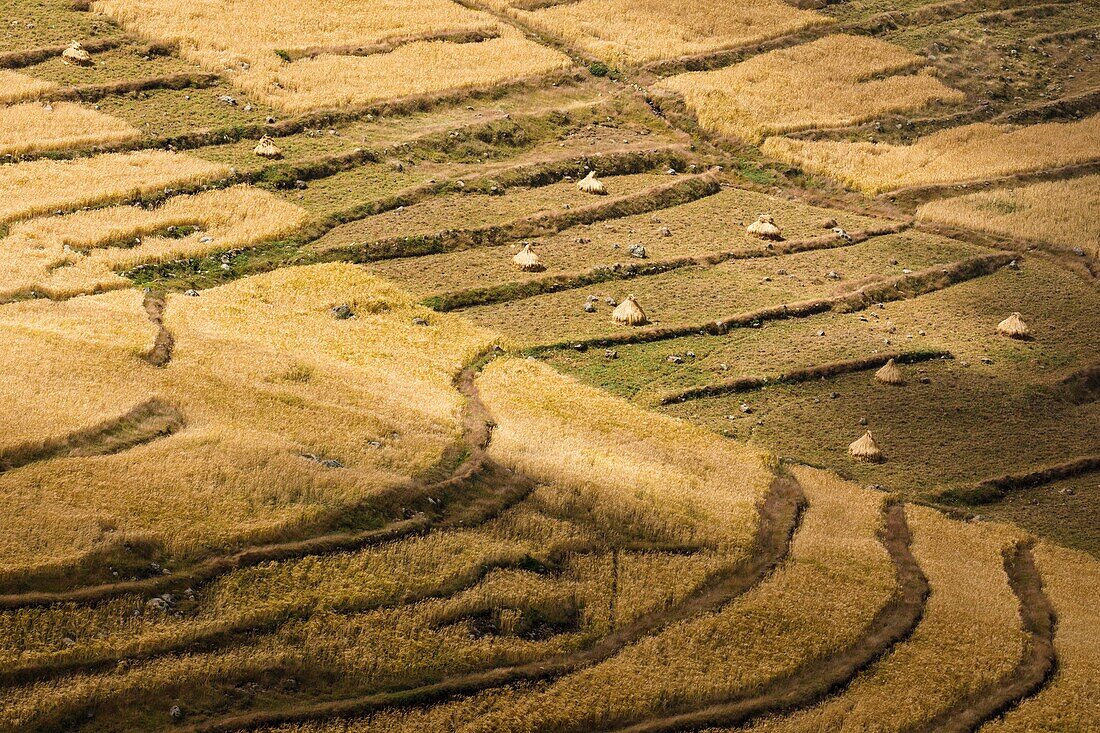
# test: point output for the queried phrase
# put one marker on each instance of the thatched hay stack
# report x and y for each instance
(890, 373)
(764, 227)
(866, 449)
(76, 55)
(267, 148)
(591, 184)
(527, 260)
(1014, 327)
(629, 313)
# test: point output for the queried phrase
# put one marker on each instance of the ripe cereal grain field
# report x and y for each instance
(500, 365)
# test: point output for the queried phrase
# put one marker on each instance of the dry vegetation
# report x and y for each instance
(82, 252)
(1072, 700)
(710, 225)
(661, 479)
(1059, 213)
(967, 639)
(630, 32)
(836, 81)
(255, 46)
(257, 396)
(459, 538)
(34, 127)
(956, 155)
(16, 87)
(41, 186)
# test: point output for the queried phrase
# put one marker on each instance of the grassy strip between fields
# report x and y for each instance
(821, 371)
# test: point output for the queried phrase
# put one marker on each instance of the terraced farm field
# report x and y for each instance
(543, 365)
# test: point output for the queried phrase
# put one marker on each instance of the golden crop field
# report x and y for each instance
(1057, 213)
(35, 127)
(557, 366)
(263, 51)
(836, 81)
(16, 87)
(632, 32)
(80, 253)
(40, 186)
(956, 155)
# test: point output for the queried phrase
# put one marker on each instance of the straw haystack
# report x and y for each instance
(629, 313)
(890, 373)
(764, 227)
(591, 184)
(1014, 327)
(866, 449)
(527, 260)
(76, 55)
(267, 148)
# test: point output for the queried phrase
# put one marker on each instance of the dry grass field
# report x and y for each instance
(16, 87)
(1054, 213)
(407, 54)
(291, 440)
(629, 33)
(34, 127)
(80, 253)
(836, 81)
(41, 186)
(956, 155)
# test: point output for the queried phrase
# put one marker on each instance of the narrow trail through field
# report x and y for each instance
(144, 423)
(1036, 665)
(892, 624)
(474, 491)
(161, 353)
(780, 513)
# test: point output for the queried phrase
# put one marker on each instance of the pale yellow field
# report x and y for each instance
(1061, 213)
(639, 31)
(35, 127)
(661, 478)
(40, 186)
(836, 81)
(16, 87)
(263, 374)
(80, 253)
(968, 637)
(242, 45)
(1072, 700)
(968, 153)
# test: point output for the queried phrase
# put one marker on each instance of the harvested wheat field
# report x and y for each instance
(548, 365)
(836, 81)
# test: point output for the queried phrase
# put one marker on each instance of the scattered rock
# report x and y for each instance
(343, 312)
(589, 307)
(675, 359)
(863, 421)
(610, 354)
(820, 333)
(834, 395)
(832, 275)
(666, 232)
(745, 408)
(175, 713)
(637, 250)
(191, 293)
